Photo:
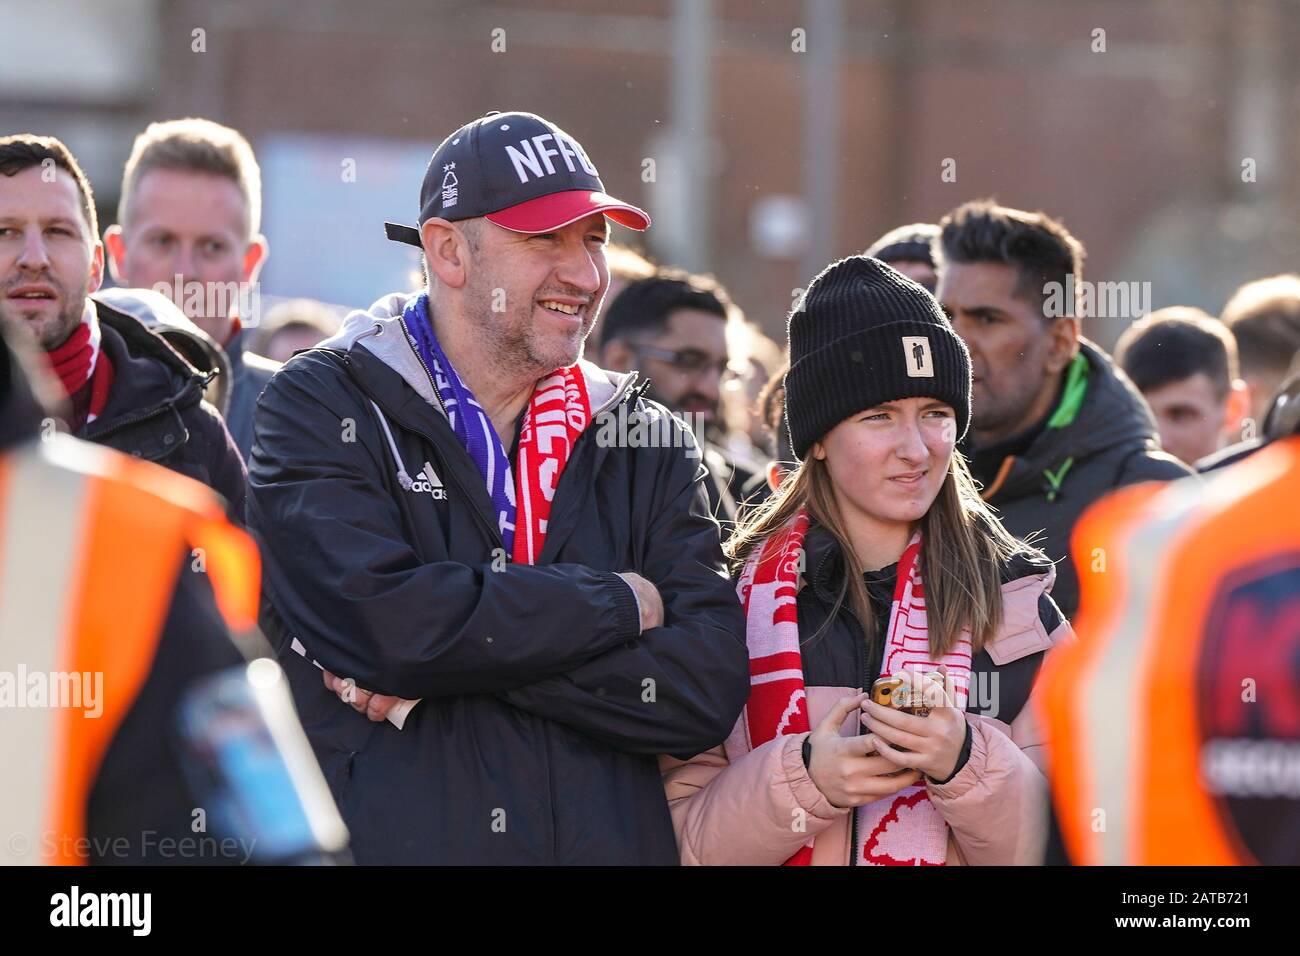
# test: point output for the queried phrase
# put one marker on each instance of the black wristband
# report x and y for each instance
(962, 759)
(807, 751)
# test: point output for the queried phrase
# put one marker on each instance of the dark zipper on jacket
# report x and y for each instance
(126, 421)
(195, 380)
(862, 673)
(135, 418)
(427, 371)
(494, 535)
(493, 532)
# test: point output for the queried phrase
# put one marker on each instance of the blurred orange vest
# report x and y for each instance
(1174, 721)
(91, 546)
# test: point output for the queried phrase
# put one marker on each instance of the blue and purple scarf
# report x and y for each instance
(561, 410)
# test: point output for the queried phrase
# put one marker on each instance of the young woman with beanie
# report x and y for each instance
(877, 558)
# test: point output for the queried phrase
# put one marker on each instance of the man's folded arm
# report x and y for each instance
(676, 689)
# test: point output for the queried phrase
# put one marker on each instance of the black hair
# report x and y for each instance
(645, 304)
(1176, 343)
(1038, 247)
(27, 150)
(910, 243)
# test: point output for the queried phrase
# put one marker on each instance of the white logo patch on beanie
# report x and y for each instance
(916, 356)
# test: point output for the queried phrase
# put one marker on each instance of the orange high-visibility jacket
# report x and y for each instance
(91, 546)
(1174, 722)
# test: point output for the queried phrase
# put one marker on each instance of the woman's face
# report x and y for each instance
(889, 462)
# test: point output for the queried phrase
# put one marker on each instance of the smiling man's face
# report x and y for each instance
(538, 294)
(49, 261)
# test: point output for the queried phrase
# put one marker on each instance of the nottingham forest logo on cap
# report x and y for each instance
(916, 355)
(450, 186)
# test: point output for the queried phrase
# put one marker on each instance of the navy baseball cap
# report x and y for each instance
(519, 171)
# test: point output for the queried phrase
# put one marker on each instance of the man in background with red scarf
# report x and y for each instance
(455, 510)
(126, 387)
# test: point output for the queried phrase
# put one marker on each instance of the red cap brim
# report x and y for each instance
(548, 213)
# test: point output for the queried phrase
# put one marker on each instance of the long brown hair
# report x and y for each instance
(963, 551)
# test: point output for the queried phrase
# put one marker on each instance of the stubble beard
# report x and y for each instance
(997, 414)
(992, 415)
(517, 344)
(49, 334)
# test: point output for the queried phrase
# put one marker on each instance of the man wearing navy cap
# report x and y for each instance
(522, 599)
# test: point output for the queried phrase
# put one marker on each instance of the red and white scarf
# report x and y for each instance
(85, 372)
(557, 414)
(904, 829)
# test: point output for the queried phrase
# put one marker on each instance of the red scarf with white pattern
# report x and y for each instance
(903, 829)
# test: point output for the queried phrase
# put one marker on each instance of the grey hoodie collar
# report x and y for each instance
(380, 332)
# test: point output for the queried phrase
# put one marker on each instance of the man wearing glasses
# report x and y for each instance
(672, 327)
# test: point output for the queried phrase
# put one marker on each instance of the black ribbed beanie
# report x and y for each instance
(864, 334)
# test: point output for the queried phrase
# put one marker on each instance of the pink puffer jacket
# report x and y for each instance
(736, 805)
